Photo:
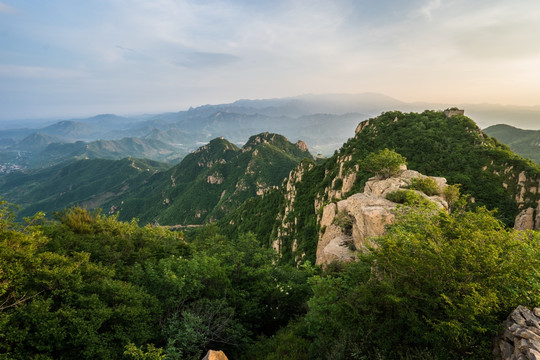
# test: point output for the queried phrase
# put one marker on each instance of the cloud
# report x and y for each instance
(38, 72)
(428, 8)
(206, 60)
(7, 9)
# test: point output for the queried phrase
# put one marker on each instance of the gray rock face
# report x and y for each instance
(521, 337)
(528, 219)
(366, 214)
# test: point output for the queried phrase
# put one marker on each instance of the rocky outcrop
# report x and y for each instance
(368, 215)
(214, 179)
(215, 355)
(341, 184)
(521, 337)
(301, 145)
(528, 219)
(349, 224)
(361, 126)
(382, 187)
(288, 222)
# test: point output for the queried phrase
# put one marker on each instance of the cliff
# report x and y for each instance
(453, 148)
(348, 225)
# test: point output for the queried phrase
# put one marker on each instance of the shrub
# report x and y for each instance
(384, 163)
(406, 197)
(443, 283)
(344, 221)
(451, 194)
(426, 185)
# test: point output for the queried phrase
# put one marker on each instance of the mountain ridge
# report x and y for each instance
(454, 148)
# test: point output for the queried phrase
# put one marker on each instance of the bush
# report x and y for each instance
(384, 163)
(426, 185)
(451, 194)
(406, 197)
(344, 221)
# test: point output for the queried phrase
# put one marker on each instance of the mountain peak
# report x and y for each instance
(264, 138)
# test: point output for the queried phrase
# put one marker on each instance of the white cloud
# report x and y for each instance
(429, 7)
(38, 72)
(4, 8)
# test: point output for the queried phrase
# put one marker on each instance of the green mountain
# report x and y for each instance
(37, 142)
(523, 142)
(212, 181)
(450, 147)
(88, 183)
(70, 129)
(41, 151)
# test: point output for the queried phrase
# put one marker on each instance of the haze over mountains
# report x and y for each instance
(324, 122)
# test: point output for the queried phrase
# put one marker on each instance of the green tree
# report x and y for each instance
(384, 163)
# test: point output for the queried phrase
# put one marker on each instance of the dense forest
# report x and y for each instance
(88, 286)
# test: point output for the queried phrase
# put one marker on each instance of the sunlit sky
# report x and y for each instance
(75, 58)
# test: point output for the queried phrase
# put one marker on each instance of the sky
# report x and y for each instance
(62, 58)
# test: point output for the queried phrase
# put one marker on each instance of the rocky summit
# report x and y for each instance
(347, 225)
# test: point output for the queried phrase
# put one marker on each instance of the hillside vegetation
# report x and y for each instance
(212, 181)
(87, 286)
(88, 183)
(523, 142)
(454, 148)
(437, 285)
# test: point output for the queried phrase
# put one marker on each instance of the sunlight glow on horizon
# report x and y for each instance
(76, 58)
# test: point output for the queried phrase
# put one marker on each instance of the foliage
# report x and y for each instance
(452, 195)
(89, 286)
(384, 163)
(441, 282)
(426, 185)
(407, 197)
(138, 353)
(289, 343)
(344, 221)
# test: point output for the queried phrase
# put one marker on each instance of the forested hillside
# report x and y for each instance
(523, 142)
(438, 284)
(88, 183)
(454, 148)
(212, 181)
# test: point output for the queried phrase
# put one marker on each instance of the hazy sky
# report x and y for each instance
(73, 58)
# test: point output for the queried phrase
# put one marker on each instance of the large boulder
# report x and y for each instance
(215, 355)
(347, 226)
(528, 219)
(520, 338)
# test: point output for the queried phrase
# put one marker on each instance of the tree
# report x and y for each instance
(384, 163)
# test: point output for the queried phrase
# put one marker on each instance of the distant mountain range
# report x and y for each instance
(324, 122)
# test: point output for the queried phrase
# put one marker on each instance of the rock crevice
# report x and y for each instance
(521, 337)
